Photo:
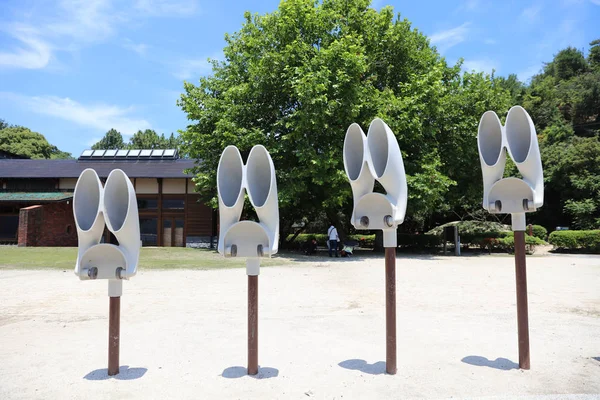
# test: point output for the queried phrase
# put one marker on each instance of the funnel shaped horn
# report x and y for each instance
(523, 147)
(121, 214)
(261, 184)
(230, 190)
(87, 209)
(387, 167)
(355, 164)
(491, 152)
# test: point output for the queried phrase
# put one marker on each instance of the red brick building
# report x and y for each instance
(36, 196)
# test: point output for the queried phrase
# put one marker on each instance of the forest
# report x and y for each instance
(295, 79)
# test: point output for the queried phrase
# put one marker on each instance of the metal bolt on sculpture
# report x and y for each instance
(249, 239)
(116, 206)
(368, 158)
(513, 195)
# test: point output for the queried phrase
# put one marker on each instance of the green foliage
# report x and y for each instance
(539, 232)
(321, 238)
(473, 228)
(576, 240)
(24, 142)
(594, 54)
(295, 79)
(567, 64)
(147, 139)
(111, 140)
(508, 242)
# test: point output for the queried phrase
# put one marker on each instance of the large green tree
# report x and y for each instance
(149, 139)
(564, 102)
(24, 142)
(295, 79)
(112, 140)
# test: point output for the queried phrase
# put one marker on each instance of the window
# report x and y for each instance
(149, 231)
(173, 203)
(9, 225)
(147, 203)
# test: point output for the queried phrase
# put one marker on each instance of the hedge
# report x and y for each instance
(539, 232)
(321, 238)
(576, 240)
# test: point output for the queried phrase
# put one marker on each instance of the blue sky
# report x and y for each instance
(72, 69)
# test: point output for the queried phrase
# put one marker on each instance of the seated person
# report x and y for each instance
(311, 247)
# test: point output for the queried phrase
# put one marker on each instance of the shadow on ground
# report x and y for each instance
(125, 374)
(239, 372)
(596, 358)
(499, 363)
(377, 368)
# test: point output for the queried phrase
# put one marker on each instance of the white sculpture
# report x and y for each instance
(115, 205)
(249, 239)
(373, 157)
(510, 195)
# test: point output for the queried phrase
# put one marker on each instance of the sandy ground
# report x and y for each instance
(321, 332)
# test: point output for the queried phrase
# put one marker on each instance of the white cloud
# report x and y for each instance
(525, 75)
(167, 7)
(101, 117)
(69, 25)
(483, 65)
(531, 14)
(33, 52)
(451, 37)
(139, 48)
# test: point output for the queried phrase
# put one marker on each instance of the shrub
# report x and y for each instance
(478, 233)
(539, 232)
(576, 240)
(508, 243)
(321, 238)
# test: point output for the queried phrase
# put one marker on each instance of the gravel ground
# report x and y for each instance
(321, 332)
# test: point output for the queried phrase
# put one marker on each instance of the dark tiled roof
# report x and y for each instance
(35, 196)
(73, 168)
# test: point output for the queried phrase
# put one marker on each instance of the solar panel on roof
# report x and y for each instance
(145, 153)
(169, 153)
(110, 153)
(157, 153)
(122, 153)
(87, 153)
(98, 153)
(133, 153)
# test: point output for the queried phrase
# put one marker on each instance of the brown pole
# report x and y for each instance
(114, 322)
(522, 313)
(252, 324)
(390, 310)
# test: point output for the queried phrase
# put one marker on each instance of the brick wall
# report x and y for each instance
(48, 225)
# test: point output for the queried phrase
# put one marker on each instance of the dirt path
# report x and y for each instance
(321, 332)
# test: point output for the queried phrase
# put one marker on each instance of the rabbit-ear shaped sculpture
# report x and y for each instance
(373, 157)
(510, 195)
(248, 238)
(523, 147)
(116, 206)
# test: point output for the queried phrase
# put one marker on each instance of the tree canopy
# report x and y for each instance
(147, 139)
(295, 79)
(24, 142)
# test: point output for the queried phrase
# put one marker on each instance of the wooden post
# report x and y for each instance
(390, 310)
(114, 322)
(252, 324)
(522, 312)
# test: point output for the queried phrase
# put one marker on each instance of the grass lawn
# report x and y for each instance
(13, 257)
